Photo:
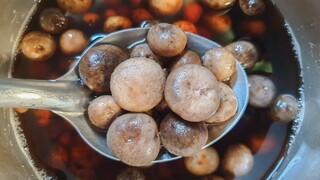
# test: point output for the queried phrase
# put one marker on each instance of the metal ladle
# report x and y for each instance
(69, 98)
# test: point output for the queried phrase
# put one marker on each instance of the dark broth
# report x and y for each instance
(265, 139)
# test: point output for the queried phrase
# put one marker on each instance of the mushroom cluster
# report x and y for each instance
(160, 75)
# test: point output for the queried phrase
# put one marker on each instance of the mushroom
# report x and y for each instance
(284, 109)
(134, 139)
(191, 91)
(182, 138)
(238, 160)
(219, 4)
(228, 105)
(143, 50)
(245, 52)
(165, 7)
(103, 110)
(203, 163)
(97, 65)
(73, 41)
(53, 21)
(252, 7)
(75, 6)
(114, 23)
(261, 91)
(186, 57)
(38, 46)
(166, 40)
(220, 62)
(137, 84)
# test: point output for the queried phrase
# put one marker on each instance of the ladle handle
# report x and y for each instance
(67, 96)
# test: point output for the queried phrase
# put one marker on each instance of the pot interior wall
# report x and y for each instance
(282, 57)
(15, 161)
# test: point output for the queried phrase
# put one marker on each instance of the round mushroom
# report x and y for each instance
(238, 160)
(218, 4)
(75, 6)
(73, 42)
(114, 23)
(186, 57)
(97, 65)
(252, 7)
(38, 46)
(284, 109)
(166, 40)
(219, 23)
(53, 21)
(165, 7)
(182, 138)
(103, 110)
(245, 52)
(228, 105)
(186, 26)
(261, 91)
(220, 62)
(203, 163)
(137, 84)
(134, 139)
(191, 91)
(143, 50)
(139, 15)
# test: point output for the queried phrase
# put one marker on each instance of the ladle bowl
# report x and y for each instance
(68, 97)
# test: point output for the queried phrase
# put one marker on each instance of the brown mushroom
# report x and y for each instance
(97, 65)
(38, 46)
(75, 6)
(166, 40)
(220, 62)
(245, 52)
(73, 41)
(203, 163)
(228, 105)
(103, 110)
(261, 91)
(186, 57)
(218, 4)
(137, 84)
(134, 139)
(238, 160)
(182, 138)
(191, 91)
(114, 23)
(252, 7)
(53, 21)
(165, 7)
(143, 50)
(284, 109)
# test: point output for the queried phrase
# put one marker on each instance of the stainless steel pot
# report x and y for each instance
(301, 157)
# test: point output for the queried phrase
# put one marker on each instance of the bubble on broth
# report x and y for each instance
(22, 143)
(296, 123)
(14, 119)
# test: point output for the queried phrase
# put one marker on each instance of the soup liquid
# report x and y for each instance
(57, 148)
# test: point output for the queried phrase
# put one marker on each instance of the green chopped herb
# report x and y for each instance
(262, 66)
